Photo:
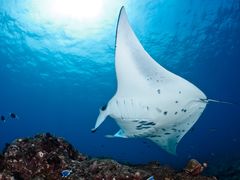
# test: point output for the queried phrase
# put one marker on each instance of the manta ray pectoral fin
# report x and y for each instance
(131, 58)
(101, 117)
(119, 134)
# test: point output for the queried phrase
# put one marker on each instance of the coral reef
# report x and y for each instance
(45, 157)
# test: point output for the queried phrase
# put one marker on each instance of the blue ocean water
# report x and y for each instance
(57, 70)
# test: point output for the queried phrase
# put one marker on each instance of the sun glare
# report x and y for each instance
(76, 9)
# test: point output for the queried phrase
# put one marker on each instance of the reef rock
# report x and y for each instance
(45, 157)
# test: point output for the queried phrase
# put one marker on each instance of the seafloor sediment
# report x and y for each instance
(44, 157)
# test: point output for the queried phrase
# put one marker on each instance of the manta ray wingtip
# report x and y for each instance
(122, 8)
(93, 130)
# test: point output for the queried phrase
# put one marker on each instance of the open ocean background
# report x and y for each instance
(56, 72)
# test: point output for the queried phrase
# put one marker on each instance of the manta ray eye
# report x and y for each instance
(104, 107)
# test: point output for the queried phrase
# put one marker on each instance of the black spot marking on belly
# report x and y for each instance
(175, 113)
(165, 113)
(147, 108)
(179, 92)
(159, 110)
(104, 107)
(183, 130)
(177, 136)
(116, 101)
(135, 121)
(176, 102)
(174, 129)
(167, 133)
(142, 122)
(153, 136)
(150, 123)
(142, 127)
(163, 129)
(145, 125)
(159, 91)
(183, 110)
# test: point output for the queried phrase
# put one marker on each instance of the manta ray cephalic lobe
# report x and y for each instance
(150, 101)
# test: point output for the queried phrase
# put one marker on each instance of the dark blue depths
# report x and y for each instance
(57, 73)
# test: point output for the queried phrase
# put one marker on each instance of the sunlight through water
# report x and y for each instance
(76, 9)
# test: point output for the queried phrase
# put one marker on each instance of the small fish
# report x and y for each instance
(3, 118)
(66, 172)
(13, 115)
(151, 178)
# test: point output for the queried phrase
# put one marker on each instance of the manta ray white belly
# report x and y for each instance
(150, 101)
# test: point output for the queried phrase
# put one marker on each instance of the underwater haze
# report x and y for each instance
(57, 69)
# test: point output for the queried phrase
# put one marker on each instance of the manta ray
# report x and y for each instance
(150, 101)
